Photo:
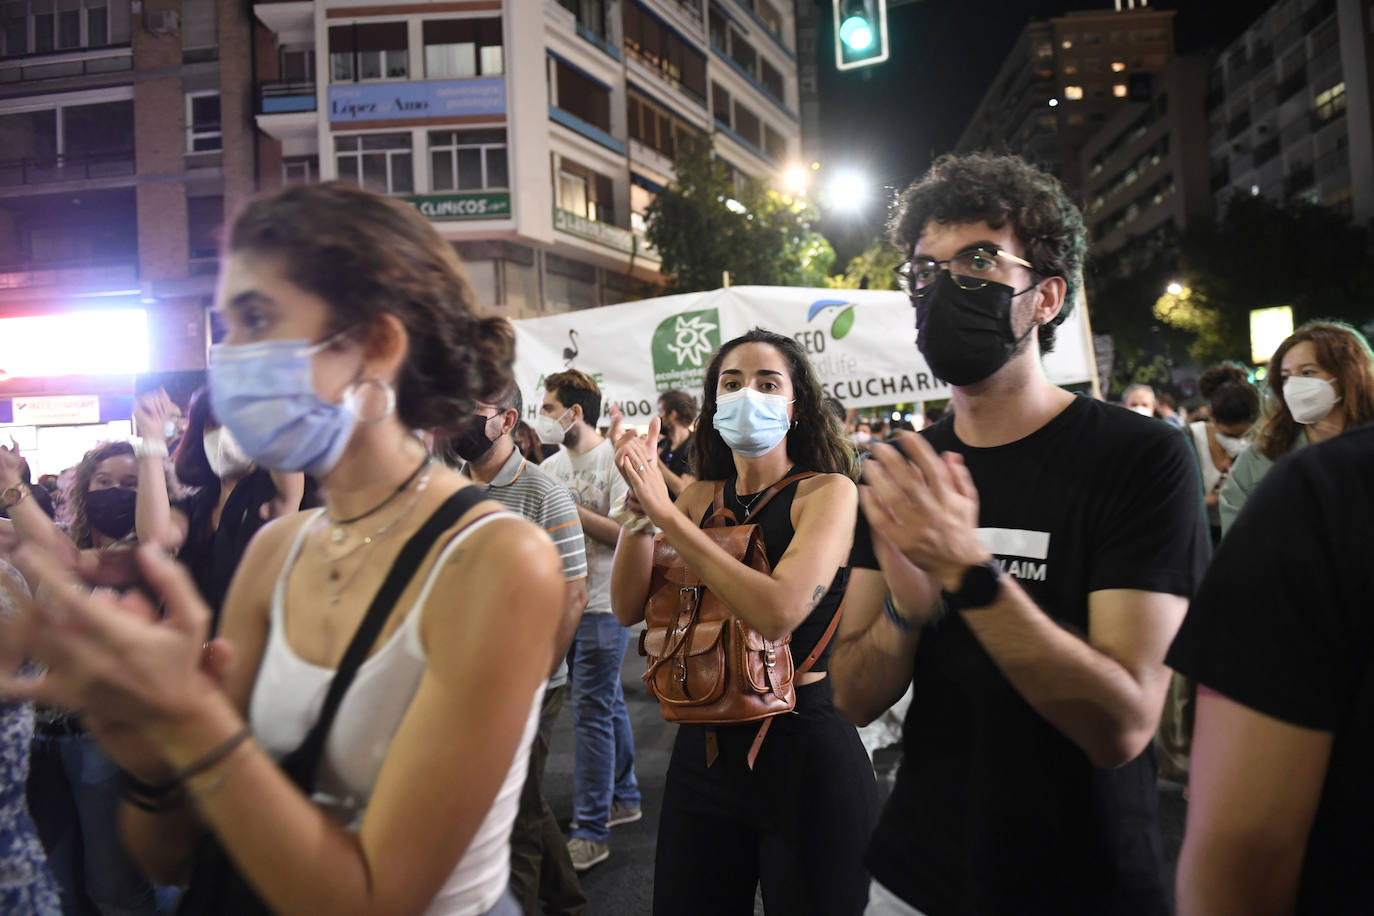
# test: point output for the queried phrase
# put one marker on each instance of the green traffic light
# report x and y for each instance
(857, 33)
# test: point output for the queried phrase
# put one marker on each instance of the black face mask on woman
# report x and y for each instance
(965, 334)
(111, 511)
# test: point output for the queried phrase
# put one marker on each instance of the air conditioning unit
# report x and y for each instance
(162, 22)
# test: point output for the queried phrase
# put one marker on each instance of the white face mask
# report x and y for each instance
(224, 453)
(1142, 410)
(1232, 445)
(862, 438)
(1309, 399)
(550, 430)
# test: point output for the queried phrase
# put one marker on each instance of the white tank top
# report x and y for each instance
(286, 702)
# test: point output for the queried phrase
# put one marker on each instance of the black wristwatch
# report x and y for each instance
(979, 587)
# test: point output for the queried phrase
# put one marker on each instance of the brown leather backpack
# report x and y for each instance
(706, 665)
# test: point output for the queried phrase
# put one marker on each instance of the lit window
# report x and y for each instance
(1066, 45)
(1118, 66)
(1070, 70)
(1119, 90)
(1073, 92)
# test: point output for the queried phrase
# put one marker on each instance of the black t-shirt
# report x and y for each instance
(994, 809)
(212, 556)
(678, 460)
(1284, 624)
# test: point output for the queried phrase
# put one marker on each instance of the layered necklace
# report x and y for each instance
(335, 583)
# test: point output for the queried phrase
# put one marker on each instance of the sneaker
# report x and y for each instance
(586, 853)
(623, 814)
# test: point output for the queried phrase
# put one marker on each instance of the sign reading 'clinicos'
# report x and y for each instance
(431, 99)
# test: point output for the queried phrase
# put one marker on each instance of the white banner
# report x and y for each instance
(860, 342)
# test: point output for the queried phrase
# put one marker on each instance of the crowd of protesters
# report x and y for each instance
(303, 651)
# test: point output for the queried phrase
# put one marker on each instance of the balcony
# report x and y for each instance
(93, 274)
(21, 172)
(286, 97)
(605, 234)
(114, 59)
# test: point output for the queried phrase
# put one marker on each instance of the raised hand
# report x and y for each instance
(636, 458)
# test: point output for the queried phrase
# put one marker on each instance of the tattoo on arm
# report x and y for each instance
(816, 598)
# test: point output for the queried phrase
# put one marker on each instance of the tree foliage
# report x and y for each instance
(1258, 255)
(703, 226)
(872, 268)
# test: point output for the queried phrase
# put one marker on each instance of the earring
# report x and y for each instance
(354, 397)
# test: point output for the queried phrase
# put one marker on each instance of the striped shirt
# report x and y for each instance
(538, 496)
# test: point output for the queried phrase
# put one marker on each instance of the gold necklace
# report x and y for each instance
(367, 543)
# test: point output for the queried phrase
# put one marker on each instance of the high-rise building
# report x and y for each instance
(1063, 79)
(1145, 169)
(1289, 107)
(533, 134)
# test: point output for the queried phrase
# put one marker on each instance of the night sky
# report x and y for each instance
(889, 119)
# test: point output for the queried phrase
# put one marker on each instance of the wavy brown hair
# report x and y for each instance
(368, 256)
(80, 528)
(815, 443)
(1342, 351)
(998, 190)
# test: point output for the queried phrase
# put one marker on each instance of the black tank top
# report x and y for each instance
(775, 521)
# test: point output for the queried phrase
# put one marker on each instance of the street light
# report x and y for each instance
(848, 190)
(1174, 289)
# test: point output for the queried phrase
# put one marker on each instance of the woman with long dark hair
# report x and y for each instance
(392, 789)
(1321, 383)
(795, 822)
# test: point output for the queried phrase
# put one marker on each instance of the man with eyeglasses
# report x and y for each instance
(1025, 583)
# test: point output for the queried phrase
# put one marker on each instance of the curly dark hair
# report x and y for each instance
(1342, 351)
(368, 256)
(80, 528)
(996, 189)
(815, 443)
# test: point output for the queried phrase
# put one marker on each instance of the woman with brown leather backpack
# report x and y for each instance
(738, 627)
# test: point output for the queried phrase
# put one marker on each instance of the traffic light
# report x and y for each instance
(860, 33)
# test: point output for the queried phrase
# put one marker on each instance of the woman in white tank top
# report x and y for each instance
(350, 324)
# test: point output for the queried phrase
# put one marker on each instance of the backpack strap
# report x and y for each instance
(302, 763)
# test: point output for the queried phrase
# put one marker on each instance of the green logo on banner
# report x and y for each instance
(682, 346)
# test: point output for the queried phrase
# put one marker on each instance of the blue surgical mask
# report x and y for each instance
(750, 422)
(264, 394)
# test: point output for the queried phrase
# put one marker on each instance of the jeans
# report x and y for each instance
(604, 756)
(75, 804)
(542, 877)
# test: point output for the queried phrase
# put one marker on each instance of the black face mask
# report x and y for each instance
(111, 511)
(965, 334)
(471, 442)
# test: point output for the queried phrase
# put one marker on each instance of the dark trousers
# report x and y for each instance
(542, 878)
(796, 825)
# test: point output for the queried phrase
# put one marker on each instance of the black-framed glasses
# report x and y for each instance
(971, 269)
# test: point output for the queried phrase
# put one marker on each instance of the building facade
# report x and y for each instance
(1145, 171)
(1063, 79)
(533, 133)
(1288, 108)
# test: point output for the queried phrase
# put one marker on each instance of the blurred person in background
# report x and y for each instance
(677, 412)
(1321, 382)
(1141, 399)
(1233, 406)
(1166, 408)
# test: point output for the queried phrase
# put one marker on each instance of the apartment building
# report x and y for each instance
(533, 133)
(1288, 107)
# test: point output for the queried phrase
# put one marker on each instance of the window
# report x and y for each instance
(769, 15)
(298, 64)
(368, 51)
(747, 126)
(659, 47)
(458, 48)
(1331, 102)
(1119, 90)
(742, 52)
(716, 21)
(640, 199)
(468, 160)
(774, 144)
(300, 170)
(37, 26)
(720, 105)
(199, 30)
(204, 223)
(655, 127)
(1073, 92)
(1118, 66)
(591, 15)
(584, 192)
(104, 130)
(202, 122)
(771, 79)
(378, 162)
(580, 96)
